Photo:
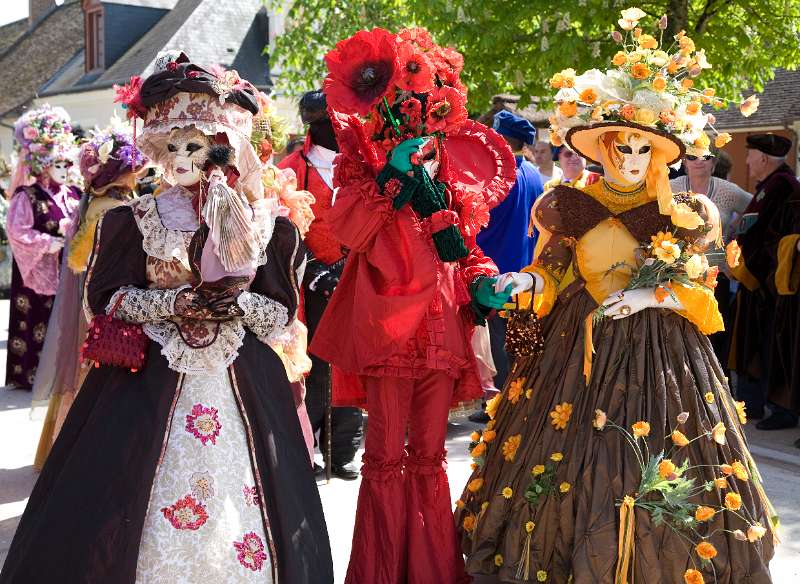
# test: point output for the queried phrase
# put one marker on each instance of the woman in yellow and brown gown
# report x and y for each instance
(651, 366)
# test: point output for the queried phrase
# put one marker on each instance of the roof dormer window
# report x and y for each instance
(95, 35)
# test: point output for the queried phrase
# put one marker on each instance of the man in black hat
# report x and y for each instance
(313, 166)
(758, 238)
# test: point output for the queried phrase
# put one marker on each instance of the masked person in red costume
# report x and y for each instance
(313, 166)
(415, 182)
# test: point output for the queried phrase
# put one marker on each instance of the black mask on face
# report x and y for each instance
(322, 134)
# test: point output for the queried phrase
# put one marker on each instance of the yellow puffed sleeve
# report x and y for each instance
(542, 303)
(787, 276)
(699, 307)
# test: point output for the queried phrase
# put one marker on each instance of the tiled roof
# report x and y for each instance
(779, 105)
(10, 32)
(232, 33)
(37, 54)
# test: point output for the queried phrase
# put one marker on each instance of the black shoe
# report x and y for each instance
(319, 472)
(778, 421)
(754, 413)
(479, 417)
(344, 472)
(797, 443)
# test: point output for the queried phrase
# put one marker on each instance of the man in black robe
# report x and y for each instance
(756, 298)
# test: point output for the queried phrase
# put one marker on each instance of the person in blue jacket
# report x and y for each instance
(506, 239)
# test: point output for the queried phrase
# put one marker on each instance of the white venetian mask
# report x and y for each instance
(188, 149)
(58, 172)
(635, 152)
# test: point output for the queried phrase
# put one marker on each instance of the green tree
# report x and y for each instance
(516, 45)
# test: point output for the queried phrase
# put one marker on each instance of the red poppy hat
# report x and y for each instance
(403, 85)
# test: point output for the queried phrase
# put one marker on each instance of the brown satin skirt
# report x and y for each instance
(650, 366)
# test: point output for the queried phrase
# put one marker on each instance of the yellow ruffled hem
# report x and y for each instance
(787, 276)
(700, 308)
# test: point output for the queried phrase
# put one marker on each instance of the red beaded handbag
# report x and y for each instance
(114, 342)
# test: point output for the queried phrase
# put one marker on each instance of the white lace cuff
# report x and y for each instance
(143, 306)
(264, 316)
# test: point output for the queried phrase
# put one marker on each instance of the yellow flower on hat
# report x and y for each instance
(568, 108)
(630, 18)
(619, 59)
(722, 139)
(683, 216)
(647, 41)
(702, 142)
(645, 116)
(640, 71)
(694, 267)
(659, 83)
(749, 106)
(588, 95)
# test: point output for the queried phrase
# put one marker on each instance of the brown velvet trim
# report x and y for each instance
(577, 211)
(645, 221)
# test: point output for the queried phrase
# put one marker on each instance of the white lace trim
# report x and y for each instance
(158, 241)
(267, 319)
(205, 361)
(171, 244)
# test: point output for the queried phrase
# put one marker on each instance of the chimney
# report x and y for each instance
(38, 8)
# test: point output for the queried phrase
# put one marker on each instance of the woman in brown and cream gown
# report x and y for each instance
(555, 492)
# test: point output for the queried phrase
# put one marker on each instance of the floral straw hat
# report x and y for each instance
(651, 89)
(42, 136)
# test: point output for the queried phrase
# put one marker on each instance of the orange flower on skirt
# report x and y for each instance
(510, 447)
(739, 471)
(560, 415)
(704, 513)
(515, 390)
(641, 429)
(705, 550)
(733, 501)
(693, 577)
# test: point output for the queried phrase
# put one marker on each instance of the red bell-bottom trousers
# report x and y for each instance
(404, 531)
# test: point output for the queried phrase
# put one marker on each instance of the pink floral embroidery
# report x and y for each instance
(251, 552)
(251, 497)
(202, 484)
(186, 513)
(203, 424)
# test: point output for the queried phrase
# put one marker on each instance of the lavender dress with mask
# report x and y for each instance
(35, 217)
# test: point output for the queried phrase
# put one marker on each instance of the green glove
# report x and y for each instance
(486, 296)
(401, 155)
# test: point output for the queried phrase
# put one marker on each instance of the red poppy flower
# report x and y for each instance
(416, 70)
(129, 95)
(449, 63)
(419, 36)
(447, 110)
(360, 71)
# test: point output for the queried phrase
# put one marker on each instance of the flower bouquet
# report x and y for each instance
(668, 492)
(670, 258)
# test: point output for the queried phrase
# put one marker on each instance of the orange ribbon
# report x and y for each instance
(588, 347)
(627, 544)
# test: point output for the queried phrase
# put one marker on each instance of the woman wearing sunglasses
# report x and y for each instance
(731, 200)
